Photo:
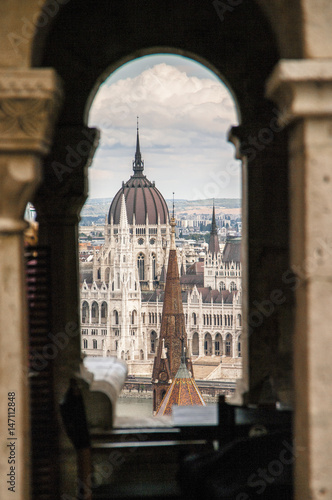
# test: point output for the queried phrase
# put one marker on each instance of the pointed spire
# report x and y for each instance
(214, 242)
(123, 213)
(138, 163)
(173, 224)
(214, 224)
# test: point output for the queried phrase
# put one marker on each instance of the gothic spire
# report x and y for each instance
(138, 163)
(214, 242)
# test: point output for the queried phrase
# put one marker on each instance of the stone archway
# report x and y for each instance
(100, 48)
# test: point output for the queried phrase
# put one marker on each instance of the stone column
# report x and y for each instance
(267, 300)
(303, 90)
(58, 203)
(29, 102)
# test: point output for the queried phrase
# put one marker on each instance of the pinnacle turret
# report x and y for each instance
(138, 163)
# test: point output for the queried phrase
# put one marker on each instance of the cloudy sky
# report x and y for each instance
(184, 114)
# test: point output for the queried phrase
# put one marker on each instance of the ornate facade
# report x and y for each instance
(122, 294)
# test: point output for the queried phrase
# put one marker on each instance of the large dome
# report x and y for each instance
(142, 197)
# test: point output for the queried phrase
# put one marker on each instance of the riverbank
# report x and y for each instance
(145, 394)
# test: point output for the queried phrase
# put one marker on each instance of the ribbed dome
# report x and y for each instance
(142, 197)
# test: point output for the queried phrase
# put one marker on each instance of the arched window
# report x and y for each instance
(228, 345)
(218, 345)
(153, 266)
(194, 319)
(204, 320)
(133, 317)
(85, 312)
(232, 286)
(118, 280)
(94, 344)
(207, 345)
(94, 312)
(98, 274)
(85, 344)
(222, 286)
(116, 317)
(103, 312)
(195, 344)
(107, 275)
(141, 354)
(140, 266)
(239, 347)
(153, 341)
(239, 320)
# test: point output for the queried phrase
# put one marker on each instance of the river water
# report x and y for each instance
(137, 407)
(134, 407)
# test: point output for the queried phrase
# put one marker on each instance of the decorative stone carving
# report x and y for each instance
(29, 100)
(301, 88)
(29, 103)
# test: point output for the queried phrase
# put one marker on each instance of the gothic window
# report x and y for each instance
(85, 344)
(239, 320)
(228, 345)
(160, 318)
(98, 274)
(118, 280)
(140, 266)
(153, 266)
(116, 317)
(214, 320)
(194, 319)
(217, 345)
(103, 312)
(143, 318)
(133, 317)
(195, 344)
(94, 344)
(239, 347)
(153, 340)
(94, 312)
(85, 312)
(207, 345)
(232, 286)
(222, 286)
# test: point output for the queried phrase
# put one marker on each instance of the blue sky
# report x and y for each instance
(184, 114)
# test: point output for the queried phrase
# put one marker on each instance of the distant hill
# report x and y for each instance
(95, 209)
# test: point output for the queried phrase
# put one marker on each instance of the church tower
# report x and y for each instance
(173, 330)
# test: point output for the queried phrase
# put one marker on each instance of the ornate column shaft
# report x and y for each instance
(29, 100)
(267, 301)
(303, 90)
(58, 202)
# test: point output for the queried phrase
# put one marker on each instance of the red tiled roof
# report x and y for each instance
(182, 392)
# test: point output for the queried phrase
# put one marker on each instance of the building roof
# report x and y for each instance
(143, 199)
(182, 392)
(232, 250)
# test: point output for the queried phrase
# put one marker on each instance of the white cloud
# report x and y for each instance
(183, 125)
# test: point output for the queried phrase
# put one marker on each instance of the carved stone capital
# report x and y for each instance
(301, 88)
(29, 104)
